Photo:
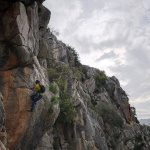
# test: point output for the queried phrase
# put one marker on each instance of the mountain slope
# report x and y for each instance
(82, 108)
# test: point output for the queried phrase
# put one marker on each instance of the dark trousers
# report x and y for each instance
(35, 98)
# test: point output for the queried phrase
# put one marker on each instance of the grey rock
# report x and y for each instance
(100, 140)
(18, 35)
(2, 147)
(29, 45)
(44, 18)
(46, 142)
(22, 52)
(43, 51)
(32, 13)
(90, 85)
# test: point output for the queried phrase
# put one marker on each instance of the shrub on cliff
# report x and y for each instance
(133, 110)
(56, 143)
(67, 112)
(100, 79)
(52, 31)
(146, 130)
(76, 56)
(54, 100)
(53, 88)
(109, 114)
(138, 142)
(52, 74)
(85, 74)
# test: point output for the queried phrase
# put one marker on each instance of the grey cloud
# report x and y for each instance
(136, 71)
(89, 6)
(143, 109)
(83, 44)
(118, 25)
(110, 55)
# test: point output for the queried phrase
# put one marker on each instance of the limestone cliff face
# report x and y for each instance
(19, 37)
(29, 51)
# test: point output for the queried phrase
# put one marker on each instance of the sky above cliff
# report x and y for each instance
(110, 35)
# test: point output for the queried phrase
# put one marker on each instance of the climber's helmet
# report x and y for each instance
(37, 81)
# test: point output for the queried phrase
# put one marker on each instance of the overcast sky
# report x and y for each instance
(112, 35)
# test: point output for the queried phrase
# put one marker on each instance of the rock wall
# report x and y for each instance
(89, 130)
(28, 50)
(19, 45)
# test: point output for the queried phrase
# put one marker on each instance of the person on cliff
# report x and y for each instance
(39, 89)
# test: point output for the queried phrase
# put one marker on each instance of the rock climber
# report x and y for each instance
(39, 89)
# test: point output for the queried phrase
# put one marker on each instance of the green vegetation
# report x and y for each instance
(84, 70)
(138, 142)
(76, 56)
(109, 114)
(53, 88)
(52, 31)
(59, 73)
(61, 83)
(77, 74)
(93, 103)
(100, 79)
(133, 110)
(115, 133)
(93, 107)
(65, 69)
(54, 100)
(90, 148)
(112, 120)
(56, 143)
(67, 112)
(50, 62)
(70, 148)
(113, 144)
(139, 147)
(53, 74)
(146, 130)
(93, 100)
